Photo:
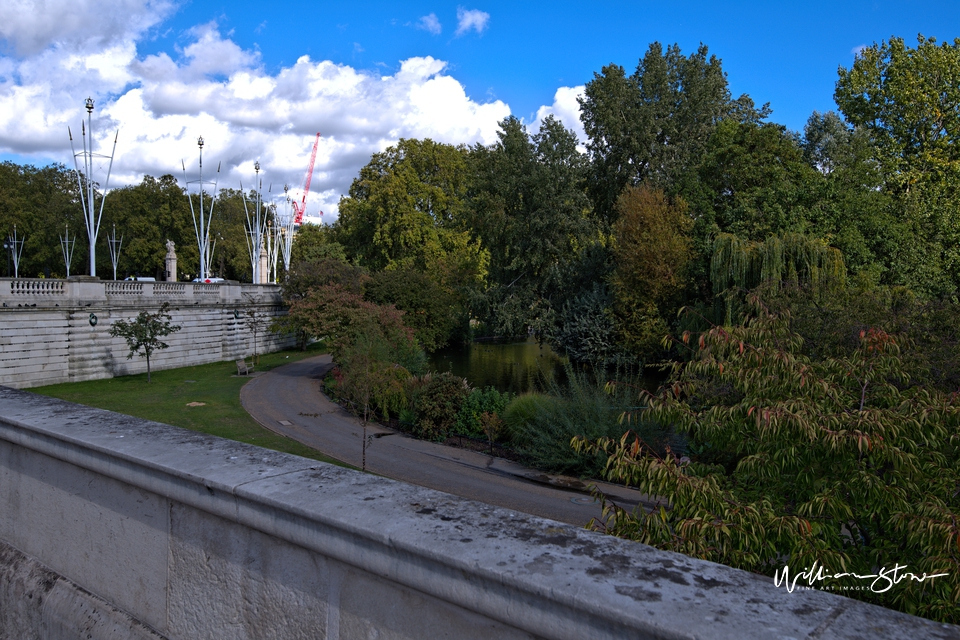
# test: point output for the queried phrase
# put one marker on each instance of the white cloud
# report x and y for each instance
(28, 27)
(430, 23)
(471, 19)
(214, 88)
(566, 109)
(857, 50)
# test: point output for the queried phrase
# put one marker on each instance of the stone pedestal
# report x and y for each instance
(264, 274)
(170, 274)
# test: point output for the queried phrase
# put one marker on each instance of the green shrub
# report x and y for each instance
(478, 402)
(436, 403)
(520, 411)
(543, 429)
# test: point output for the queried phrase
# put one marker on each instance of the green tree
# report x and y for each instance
(530, 211)
(42, 203)
(314, 243)
(907, 99)
(752, 181)
(652, 126)
(147, 215)
(368, 380)
(852, 211)
(738, 266)
(428, 309)
(143, 333)
(405, 211)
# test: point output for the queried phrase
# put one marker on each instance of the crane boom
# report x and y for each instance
(300, 207)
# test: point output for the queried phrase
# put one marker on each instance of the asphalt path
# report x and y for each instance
(288, 400)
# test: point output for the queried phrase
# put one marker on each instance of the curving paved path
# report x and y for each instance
(288, 400)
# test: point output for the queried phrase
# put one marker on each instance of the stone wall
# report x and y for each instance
(116, 527)
(58, 330)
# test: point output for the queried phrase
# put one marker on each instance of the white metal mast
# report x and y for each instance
(91, 216)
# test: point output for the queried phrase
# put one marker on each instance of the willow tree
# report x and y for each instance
(739, 265)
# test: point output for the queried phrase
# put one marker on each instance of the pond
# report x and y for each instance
(506, 366)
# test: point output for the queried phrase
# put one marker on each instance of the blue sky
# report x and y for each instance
(164, 71)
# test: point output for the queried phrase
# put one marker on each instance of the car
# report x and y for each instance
(209, 280)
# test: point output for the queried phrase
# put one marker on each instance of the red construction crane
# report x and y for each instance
(300, 207)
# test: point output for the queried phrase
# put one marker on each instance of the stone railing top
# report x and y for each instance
(39, 292)
(550, 579)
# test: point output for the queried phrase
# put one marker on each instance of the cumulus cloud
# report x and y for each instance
(430, 23)
(471, 20)
(28, 27)
(212, 87)
(566, 109)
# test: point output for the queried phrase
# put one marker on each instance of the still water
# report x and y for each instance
(506, 366)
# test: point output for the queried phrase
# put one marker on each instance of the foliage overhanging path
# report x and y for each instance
(288, 400)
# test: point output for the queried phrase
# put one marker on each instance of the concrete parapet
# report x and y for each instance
(197, 537)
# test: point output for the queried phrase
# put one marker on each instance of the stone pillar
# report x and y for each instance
(171, 270)
(264, 270)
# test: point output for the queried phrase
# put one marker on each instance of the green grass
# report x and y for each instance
(166, 400)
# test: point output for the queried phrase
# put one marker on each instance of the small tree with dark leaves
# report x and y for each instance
(143, 333)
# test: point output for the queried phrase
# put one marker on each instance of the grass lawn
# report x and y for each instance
(166, 399)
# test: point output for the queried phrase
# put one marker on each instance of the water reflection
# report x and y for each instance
(512, 366)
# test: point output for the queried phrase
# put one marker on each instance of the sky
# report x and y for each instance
(259, 80)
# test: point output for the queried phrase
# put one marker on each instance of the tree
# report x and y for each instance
(738, 266)
(314, 243)
(342, 317)
(41, 202)
(852, 209)
(428, 308)
(908, 100)
(368, 379)
(752, 181)
(530, 211)
(652, 126)
(652, 251)
(144, 332)
(791, 460)
(405, 211)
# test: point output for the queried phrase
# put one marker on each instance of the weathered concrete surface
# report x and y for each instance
(39, 604)
(59, 330)
(260, 544)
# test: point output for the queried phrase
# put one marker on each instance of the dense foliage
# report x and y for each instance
(839, 460)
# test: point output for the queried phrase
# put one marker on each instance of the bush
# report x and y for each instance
(838, 460)
(542, 427)
(436, 403)
(522, 410)
(479, 401)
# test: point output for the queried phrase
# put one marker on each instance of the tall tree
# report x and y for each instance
(42, 203)
(405, 210)
(530, 211)
(653, 125)
(908, 99)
